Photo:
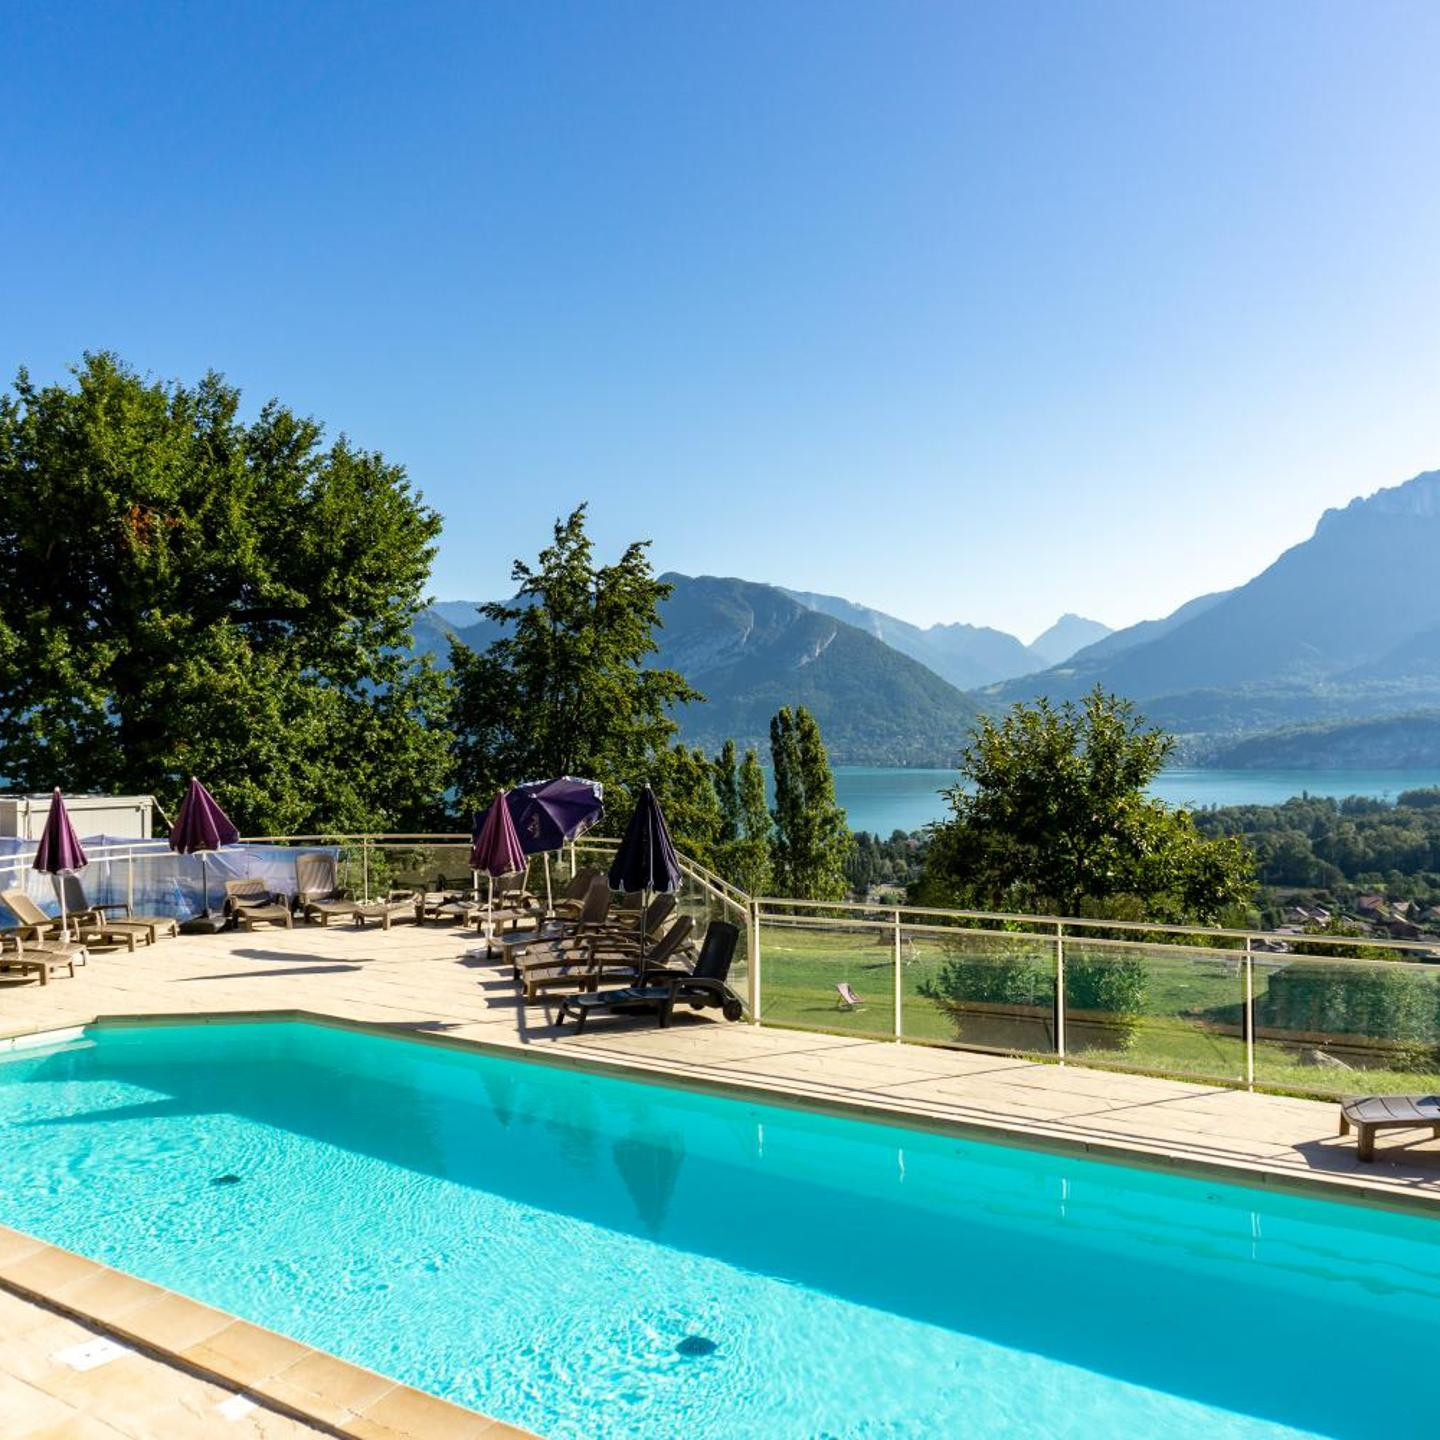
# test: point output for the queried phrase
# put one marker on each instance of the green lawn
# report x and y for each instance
(800, 968)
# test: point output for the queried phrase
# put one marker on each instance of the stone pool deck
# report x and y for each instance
(433, 982)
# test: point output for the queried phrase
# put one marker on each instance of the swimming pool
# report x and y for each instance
(598, 1257)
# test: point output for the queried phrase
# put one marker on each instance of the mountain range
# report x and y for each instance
(1341, 628)
(1345, 625)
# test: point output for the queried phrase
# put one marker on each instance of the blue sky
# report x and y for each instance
(968, 312)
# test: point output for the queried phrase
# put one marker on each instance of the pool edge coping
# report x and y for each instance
(289, 1377)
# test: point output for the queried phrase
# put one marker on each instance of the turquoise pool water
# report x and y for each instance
(547, 1246)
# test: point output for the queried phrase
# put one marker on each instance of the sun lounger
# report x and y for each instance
(846, 998)
(571, 899)
(319, 894)
(458, 905)
(616, 935)
(118, 913)
(251, 904)
(557, 935)
(1369, 1113)
(39, 958)
(703, 988)
(397, 905)
(45, 932)
(585, 967)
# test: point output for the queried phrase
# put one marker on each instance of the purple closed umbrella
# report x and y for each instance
(548, 813)
(200, 827)
(60, 850)
(497, 851)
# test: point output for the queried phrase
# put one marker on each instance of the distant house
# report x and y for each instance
(1404, 930)
(1373, 907)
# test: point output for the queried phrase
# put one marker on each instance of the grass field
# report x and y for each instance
(801, 966)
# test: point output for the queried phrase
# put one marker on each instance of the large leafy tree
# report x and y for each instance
(1052, 814)
(812, 839)
(182, 591)
(565, 688)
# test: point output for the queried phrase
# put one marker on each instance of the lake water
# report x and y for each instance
(882, 799)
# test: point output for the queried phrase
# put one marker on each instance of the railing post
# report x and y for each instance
(1060, 990)
(1248, 1017)
(130, 882)
(899, 980)
(365, 868)
(753, 976)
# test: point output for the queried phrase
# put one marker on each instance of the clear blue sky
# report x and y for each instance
(968, 312)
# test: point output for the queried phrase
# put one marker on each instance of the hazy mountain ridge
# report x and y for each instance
(1344, 623)
(1341, 635)
(968, 656)
(1068, 634)
(750, 649)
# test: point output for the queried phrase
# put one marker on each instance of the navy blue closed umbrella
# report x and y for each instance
(646, 859)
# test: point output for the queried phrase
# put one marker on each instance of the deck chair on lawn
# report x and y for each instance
(319, 894)
(584, 968)
(39, 930)
(846, 998)
(119, 914)
(249, 904)
(703, 988)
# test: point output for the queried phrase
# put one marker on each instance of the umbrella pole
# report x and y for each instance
(204, 888)
(548, 903)
(489, 914)
(64, 919)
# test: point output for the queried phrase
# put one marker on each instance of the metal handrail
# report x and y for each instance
(1049, 931)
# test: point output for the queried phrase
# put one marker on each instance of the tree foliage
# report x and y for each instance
(1051, 812)
(812, 839)
(184, 592)
(565, 689)
(1314, 842)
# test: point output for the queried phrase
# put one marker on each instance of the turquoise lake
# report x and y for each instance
(881, 798)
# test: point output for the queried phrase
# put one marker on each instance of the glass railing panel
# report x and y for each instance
(818, 974)
(980, 990)
(1169, 1009)
(1347, 1026)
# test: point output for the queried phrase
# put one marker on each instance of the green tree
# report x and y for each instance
(565, 689)
(182, 592)
(812, 840)
(684, 784)
(1052, 812)
(744, 859)
(727, 792)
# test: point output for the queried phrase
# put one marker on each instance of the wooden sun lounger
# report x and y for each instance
(659, 992)
(42, 958)
(1369, 1113)
(397, 905)
(118, 913)
(46, 932)
(251, 904)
